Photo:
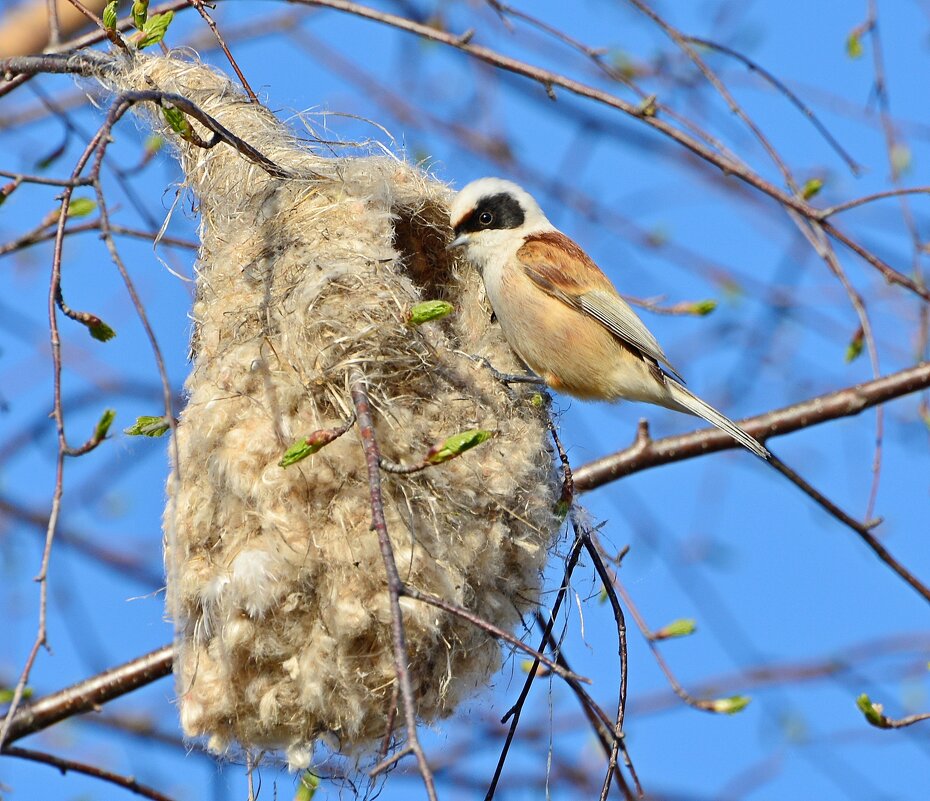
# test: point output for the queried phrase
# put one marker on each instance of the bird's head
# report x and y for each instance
(493, 213)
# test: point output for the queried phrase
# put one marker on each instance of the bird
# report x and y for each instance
(560, 313)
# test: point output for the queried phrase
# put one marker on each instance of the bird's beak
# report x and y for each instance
(459, 242)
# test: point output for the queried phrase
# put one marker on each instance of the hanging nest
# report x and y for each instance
(276, 584)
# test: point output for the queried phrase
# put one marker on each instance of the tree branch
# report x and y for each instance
(90, 694)
(646, 453)
(65, 765)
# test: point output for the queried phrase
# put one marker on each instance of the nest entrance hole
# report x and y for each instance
(420, 236)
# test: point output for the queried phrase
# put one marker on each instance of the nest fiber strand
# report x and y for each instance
(275, 581)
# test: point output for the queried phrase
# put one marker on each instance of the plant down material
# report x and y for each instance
(275, 581)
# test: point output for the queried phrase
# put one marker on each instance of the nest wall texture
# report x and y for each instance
(275, 581)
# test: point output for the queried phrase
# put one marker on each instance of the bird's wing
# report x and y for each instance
(549, 260)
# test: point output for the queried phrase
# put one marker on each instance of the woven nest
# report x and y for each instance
(275, 580)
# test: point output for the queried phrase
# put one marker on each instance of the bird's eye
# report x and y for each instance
(485, 218)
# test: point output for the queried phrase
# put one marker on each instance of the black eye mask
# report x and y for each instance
(493, 212)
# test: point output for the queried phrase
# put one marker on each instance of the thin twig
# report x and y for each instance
(890, 275)
(861, 201)
(199, 5)
(917, 250)
(220, 133)
(167, 393)
(496, 631)
(54, 27)
(604, 574)
(704, 704)
(366, 428)
(54, 296)
(881, 721)
(65, 765)
(799, 104)
(846, 662)
(42, 234)
(513, 714)
(40, 179)
(596, 55)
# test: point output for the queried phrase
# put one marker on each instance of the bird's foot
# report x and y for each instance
(508, 378)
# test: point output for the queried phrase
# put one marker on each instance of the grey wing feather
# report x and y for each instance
(615, 314)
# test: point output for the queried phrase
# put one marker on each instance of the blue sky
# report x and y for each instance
(770, 579)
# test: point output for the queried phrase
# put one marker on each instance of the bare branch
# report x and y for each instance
(65, 765)
(861, 201)
(89, 695)
(779, 85)
(831, 406)
(646, 453)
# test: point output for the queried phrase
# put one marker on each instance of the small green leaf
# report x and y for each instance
(731, 705)
(901, 159)
(140, 12)
(154, 143)
(456, 445)
(104, 423)
(854, 348)
(811, 187)
(176, 119)
(526, 665)
(309, 783)
(562, 508)
(6, 694)
(148, 426)
(648, 106)
(81, 207)
(677, 628)
(428, 310)
(307, 446)
(874, 713)
(109, 15)
(47, 161)
(623, 64)
(154, 29)
(602, 596)
(703, 307)
(99, 330)
(538, 400)
(854, 45)
(299, 450)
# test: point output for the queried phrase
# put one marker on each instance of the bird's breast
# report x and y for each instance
(570, 350)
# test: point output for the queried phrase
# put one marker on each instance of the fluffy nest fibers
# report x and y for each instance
(275, 580)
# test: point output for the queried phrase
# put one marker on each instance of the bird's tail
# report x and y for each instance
(694, 405)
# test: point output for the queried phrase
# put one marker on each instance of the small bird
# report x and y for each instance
(558, 311)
